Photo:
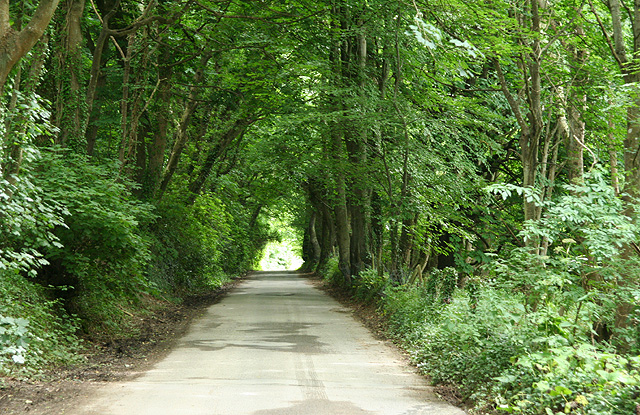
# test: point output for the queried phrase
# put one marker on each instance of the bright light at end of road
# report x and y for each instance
(280, 256)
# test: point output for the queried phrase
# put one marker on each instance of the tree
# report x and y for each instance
(17, 41)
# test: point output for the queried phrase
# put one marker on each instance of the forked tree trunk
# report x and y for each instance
(158, 145)
(237, 129)
(14, 44)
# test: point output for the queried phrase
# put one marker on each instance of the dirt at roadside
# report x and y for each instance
(107, 361)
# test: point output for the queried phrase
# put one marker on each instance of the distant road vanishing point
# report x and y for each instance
(274, 346)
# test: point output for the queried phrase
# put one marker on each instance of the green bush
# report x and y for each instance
(510, 358)
(188, 242)
(198, 246)
(35, 332)
(440, 284)
(331, 272)
(577, 379)
(409, 312)
(98, 267)
(369, 286)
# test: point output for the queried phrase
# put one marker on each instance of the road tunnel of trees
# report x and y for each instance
(148, 147)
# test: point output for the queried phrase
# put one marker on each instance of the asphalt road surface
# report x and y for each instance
(274, 346)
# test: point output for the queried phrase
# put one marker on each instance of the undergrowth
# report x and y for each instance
(35, 332)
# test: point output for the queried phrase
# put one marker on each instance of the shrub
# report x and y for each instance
(99, 263)
(577, 379)
(369, 285)
(35, 333)
(188, 243)
(331, 272)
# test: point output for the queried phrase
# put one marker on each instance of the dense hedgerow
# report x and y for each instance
(505, 357)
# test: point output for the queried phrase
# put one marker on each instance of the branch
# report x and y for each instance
(618, 37)
(512, 102)
(559, 34)
(222, 15)
(453, 86)
(606, 35)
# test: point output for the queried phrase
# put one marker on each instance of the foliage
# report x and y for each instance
(331, 272)
(370, 285)
(507, 357)
(101, 256)
(440, 284)
(27, 216)
(35, 333)
(222, 116)
(591, 215)
(578, 379)
(188, 244)
(523, 336)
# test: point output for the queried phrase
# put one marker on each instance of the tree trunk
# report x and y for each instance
(340, 209)
(629, 69)
(91, 134)
(577, 106)
(68, 101)
(613, 159)
(159, 144)
(14, 45)
(361, 201)
(17, 128)
(185, 120)
(236, 130)
(336, 150)
(327, 242)
(97, 63)
(137, 109)
(313, 241)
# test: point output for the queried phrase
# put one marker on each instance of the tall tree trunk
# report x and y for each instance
(68, 100)
(328, 240)
(577, 106)
(124, 100)
(336, 148)
(575, 140)
(136, 109)
(97, 63)
(340, 206)
(91, 134)
(357, 145)
(613, 157)
(629, 69)
(314, 257)
(158, 145)
(16, 126)
(531, 123)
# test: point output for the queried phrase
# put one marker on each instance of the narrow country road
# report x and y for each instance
(274, 346)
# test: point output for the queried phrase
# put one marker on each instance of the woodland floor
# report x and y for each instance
(123, 359)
